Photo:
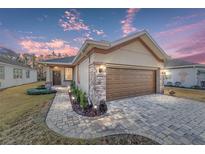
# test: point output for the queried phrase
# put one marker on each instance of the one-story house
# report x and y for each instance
(13, 73)
(185, 73)
(130, 66)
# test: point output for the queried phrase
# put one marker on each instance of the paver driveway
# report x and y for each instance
(165, 119)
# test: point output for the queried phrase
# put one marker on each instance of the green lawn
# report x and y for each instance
(23, 121)
(15, 102)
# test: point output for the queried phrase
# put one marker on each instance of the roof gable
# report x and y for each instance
(103, 46)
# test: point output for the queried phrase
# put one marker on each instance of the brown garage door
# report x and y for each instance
(123, 83)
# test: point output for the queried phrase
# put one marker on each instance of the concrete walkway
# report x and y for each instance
(165, 119)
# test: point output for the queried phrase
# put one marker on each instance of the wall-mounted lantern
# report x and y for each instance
(55, 67)
(102, 68)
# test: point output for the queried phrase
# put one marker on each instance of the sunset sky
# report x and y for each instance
(180, 32)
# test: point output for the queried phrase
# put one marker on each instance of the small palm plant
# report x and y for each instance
(83, 100)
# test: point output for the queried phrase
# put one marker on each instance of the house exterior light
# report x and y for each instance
(95, 106)
(55, 67)
(73, 98)
(166, 72)
(102, 68)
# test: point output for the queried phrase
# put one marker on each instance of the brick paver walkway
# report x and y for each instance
(165, 119)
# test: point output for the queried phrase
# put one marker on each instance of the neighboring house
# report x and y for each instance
(13, 73)
(186, 73)
(112, 70)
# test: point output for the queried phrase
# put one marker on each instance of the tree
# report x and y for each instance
(33, 60)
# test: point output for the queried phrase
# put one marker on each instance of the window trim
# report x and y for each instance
(17, 73)
(28, 74)
(3, 76)
(71, 75)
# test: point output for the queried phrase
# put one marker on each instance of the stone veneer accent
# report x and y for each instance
(97, 84)
(161, 82)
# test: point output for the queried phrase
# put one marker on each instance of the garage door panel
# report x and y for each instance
(122, 83)
(130, 81)
(132, 90)
(130, 86)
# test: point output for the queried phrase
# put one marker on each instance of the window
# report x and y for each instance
(17, 73)
(68, 74)
(20, 73)
(28, 74)
(168, 76)
(2, 72)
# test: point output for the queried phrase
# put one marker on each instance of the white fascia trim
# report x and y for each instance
(157, 45)
(88, 42)
(185, 66)
(127, 38)
(124, 39)
(55, 63)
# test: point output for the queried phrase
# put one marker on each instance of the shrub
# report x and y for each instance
(177, 84)
(195, 87)
(35, 91)
(83, 100)
(76, 93)
(79, 95)
(72, 85)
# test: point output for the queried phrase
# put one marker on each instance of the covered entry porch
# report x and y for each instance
(59, 75)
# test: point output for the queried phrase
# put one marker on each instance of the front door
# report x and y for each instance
(56, 78)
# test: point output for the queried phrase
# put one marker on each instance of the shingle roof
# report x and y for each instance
(60, 60)
(13, 62)
(178, 62)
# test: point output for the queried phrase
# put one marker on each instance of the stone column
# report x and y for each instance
(159, 80)
(161, 90)
(48, 74)
(97, 84)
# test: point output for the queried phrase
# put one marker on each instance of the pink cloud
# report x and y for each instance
(72, 21)
(184, 41)
(127, 26)
(98, 32)
(84, 37)
(190, 16)
(178, 20)
(179, 29)
(44, 48)
(197, 58)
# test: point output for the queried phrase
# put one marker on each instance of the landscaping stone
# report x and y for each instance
(165, 119)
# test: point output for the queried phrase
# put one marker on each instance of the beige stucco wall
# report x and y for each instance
(132, 54)
(84, 75)
(75, 74)
(9, 81)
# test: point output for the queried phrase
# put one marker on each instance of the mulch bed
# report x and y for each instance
(89, 111)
